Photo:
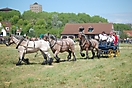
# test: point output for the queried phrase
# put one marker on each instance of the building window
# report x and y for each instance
(81, 29)
(7, 28)
(90, 29)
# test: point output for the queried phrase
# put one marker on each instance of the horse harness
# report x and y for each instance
(51, 46)
(24, 46)
(58, 44)
(84, 43)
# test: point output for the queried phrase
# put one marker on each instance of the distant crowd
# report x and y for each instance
(126, 40)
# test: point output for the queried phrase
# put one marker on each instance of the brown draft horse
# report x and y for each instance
(61, 45)
(86, 45)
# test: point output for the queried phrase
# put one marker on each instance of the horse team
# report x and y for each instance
(51, 43)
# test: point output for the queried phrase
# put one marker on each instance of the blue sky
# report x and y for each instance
(116, 11)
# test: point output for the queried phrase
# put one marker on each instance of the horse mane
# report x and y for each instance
(83, 35)
(18, 37)
(53, 37)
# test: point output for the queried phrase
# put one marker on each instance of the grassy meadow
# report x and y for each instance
(113, 72)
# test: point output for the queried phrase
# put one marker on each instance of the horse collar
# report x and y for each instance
(51, 46)
(19, 43)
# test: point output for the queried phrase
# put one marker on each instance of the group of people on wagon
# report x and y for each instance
(110, 38)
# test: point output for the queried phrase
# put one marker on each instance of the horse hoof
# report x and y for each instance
(50, 61)
(74, 59)
(69, 57)
(26, 61)
(44, 63)
(87, 58)
(58, 61)
(18, 64)
(92, 57)
(82, 54)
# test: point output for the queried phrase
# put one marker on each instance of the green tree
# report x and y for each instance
(13, 29)
(14, 19)
(6, 16)
(20, 22)
(83, 18)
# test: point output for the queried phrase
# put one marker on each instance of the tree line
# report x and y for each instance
(33, 24)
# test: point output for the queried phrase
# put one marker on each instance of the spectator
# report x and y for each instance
(103, 36)
(111, 38)
(116, 38)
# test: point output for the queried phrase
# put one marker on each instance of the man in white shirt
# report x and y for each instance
(111, 38)
(103, 36)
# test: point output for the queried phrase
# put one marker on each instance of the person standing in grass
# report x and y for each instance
(116, 38)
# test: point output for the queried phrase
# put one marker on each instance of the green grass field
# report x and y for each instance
(113, 72)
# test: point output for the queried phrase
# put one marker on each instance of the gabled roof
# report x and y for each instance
(97, 28)
(6, 24)
(128, 32)
(6, 9)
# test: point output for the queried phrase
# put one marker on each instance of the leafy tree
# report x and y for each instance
(20, 22)
(83, 18)
(12, 30)
(1, 18)
(6, 16)
(97, 19)
(52, 22)
(14, 19)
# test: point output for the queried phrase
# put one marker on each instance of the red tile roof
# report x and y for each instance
(6, 24)
(128, 32)
(98, 28)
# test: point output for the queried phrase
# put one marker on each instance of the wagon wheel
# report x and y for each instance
(117, 52)
(110, 53)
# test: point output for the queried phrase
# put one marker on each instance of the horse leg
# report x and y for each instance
(20, 58)
(98, 53)
(26, 60)
(93, 54)
(50, 60)
(73, 53)
(74, 57)
(45, 59)
(82, 54)
(69, 55)
(87, 57)
(56, 57)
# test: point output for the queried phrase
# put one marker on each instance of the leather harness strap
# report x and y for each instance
(51, 46)
(19, 43)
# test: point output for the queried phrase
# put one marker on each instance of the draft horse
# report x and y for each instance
(86, 44)
(25, 46)
(61, 45)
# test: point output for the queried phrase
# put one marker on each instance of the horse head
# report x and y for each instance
(48, 37)
(13, 38)
(10, 40)
(82, 36)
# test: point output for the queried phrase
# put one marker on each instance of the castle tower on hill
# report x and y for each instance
(36, 7)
